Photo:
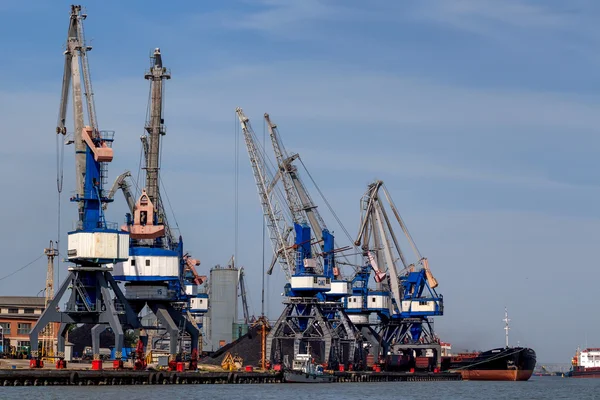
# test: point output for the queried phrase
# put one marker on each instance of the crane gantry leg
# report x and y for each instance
(87, 304)
(332, 337)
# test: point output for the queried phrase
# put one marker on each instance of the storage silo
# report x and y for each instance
(223, 299)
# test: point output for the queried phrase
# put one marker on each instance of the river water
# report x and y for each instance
(535, 388)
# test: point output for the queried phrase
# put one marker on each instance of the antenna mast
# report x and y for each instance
(506, 327)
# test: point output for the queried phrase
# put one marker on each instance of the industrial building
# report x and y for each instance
(17, 315)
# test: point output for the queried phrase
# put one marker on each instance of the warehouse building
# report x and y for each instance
(18, 314)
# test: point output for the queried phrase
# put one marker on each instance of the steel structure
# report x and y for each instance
(122, 183)
(307, 317)
(94, 243)
(242, 282)
(405, 299)
(154, 273)
(49, 332)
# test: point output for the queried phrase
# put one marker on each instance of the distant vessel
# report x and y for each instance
(304, 370)
(585, 364)
(501, 364)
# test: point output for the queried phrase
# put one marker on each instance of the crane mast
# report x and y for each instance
(272, 209)
(155, 127)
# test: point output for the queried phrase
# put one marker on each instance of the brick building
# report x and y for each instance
(18, 314)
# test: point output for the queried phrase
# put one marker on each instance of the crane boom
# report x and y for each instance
(376, 228)
(284, 164)
(87, 80)
(273, 211)
(302, 200)
(300, 203)
(389, 259)
(72, 77)
(162, 215)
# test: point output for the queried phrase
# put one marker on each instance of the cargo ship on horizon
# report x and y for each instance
(500, 364)
(585, 364)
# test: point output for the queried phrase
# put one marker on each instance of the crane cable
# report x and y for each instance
(22, 268)
(236, 168)
(264, 228)
(328, 207)
(60, 162)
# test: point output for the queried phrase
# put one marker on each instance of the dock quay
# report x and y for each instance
(47, 377)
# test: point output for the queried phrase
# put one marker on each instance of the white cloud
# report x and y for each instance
(477, 14)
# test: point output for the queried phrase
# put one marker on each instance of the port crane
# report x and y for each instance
(94, 243)
(304, 318)
(406, 327)
(303, 208)
(154, 273)
(242, 282)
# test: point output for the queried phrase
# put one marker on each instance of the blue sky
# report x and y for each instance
(480, 116)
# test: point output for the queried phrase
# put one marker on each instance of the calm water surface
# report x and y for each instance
(536, 388)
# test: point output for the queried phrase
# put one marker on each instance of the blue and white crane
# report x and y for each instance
(306, 322)
(405, 299)
(303, 208)
(156, 269)
(94, 243)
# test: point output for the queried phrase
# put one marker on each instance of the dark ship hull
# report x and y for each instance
(502, 364)
(291, 376)
(581, 372)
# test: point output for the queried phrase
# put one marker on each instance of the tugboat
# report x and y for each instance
(501, 364)
(304, 370)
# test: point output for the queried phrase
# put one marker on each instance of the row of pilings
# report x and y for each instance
(49, 377)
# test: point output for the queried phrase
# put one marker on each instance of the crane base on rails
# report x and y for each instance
(90, 302)
(175, 321)
(397, 338)
(334, 340)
